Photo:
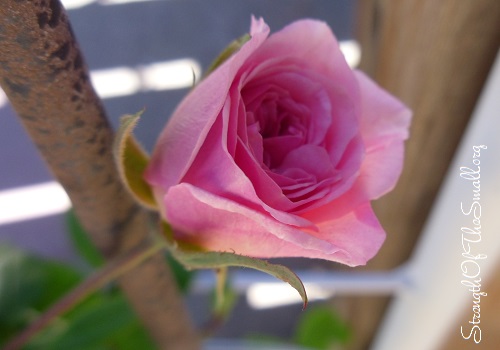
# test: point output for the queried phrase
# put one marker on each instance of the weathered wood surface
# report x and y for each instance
(44, 75)
(435, 56)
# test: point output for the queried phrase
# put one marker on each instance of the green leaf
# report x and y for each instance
(103, 322)
(59, 278)
(320, 328)
(81, 241)
(233, 47)
(24, 282)
(19, 285)
(133, 337)
(28, 285)
(131, 161)
(215, 260)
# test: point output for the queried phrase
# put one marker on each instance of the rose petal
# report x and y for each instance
(358, 234)
(224, 163)
(180, 141)
(312, 159)
(384, 128)
(232, 182)
(228, 226)
(312, 42)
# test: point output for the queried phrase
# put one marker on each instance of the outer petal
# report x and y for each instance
(227, 226)
(312, 42)
(384, 127)
(180, 141)
(358, 234)
(218, 223)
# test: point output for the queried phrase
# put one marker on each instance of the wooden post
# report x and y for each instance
(434, 56)
(44, 75)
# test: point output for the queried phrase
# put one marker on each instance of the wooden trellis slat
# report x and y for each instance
(435, 56)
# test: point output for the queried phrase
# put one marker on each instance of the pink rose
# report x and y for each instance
(278, 152)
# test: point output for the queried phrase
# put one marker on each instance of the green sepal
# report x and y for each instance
(233, 47)
(131, 161)
(193, 259)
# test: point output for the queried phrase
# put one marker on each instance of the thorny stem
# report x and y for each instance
(110, 272)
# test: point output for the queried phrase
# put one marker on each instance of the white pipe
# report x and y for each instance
(346, 283)
(264, 291)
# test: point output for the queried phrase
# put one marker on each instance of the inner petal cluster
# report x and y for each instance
(288, 117)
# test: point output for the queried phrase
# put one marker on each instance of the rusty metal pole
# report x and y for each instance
(44, 75)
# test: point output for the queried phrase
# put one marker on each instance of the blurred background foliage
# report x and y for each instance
(104, 320)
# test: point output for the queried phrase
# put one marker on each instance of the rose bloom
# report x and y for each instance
(278, 152)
